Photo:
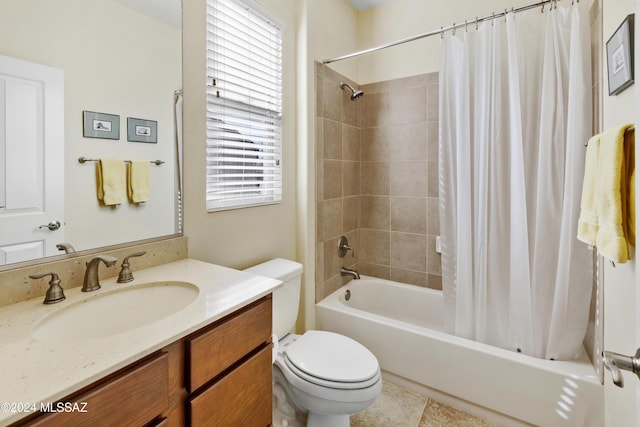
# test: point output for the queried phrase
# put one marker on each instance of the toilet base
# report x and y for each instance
(316, 420)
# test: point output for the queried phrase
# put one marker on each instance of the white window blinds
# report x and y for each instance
(244, 107)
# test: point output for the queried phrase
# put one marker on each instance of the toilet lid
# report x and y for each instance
(332, 357)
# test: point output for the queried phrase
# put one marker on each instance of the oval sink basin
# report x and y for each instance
(115, 312)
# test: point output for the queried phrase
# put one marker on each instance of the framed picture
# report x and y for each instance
(100, 125)
(139, 130)
(620, 57)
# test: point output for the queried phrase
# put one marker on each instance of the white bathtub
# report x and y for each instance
(402, 326)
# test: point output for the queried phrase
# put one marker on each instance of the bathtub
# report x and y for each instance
(402, 325)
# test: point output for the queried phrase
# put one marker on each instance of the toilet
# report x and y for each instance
(323, 375)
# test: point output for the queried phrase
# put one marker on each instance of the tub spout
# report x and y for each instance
(349, 272)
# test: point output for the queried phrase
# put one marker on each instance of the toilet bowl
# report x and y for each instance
(321, 375)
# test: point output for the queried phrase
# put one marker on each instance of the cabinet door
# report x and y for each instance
(241, 398)
(210, 353)
(134, 398)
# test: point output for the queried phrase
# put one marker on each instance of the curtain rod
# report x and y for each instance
(442, 30)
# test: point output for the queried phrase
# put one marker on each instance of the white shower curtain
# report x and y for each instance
(515, 113)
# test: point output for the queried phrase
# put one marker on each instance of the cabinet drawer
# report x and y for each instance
(227, 342)
(133, 398)
(241, 398)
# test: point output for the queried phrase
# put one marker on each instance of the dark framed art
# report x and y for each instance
(100, 125)
(620, 57)
(140, 130)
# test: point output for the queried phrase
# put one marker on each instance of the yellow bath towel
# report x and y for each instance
(139, 181)
(588, 221)
(110, 175)
(612, 196)
(630, 173)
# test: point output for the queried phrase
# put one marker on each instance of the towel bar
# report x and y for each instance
(629, 129)
(85, 159)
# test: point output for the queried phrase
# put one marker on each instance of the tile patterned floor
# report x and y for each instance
(399, 407)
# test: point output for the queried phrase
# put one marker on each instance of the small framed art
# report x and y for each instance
(100, 125)
(620, 57)
(139, 130)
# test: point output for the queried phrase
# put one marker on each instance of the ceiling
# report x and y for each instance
(366, 4)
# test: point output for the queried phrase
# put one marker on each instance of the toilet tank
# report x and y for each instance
(286, 299)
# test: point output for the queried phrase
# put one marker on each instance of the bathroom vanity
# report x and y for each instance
(209, 363)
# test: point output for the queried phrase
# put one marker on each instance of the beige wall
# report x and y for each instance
(242, 237)
(123, 63)
(620, 321)
(399, 19)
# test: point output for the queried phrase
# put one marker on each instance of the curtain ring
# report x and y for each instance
(476, 23)
(441, 32)
(542, 10)
(465, 26)
(493, 18)
(505, 15)
(453, 27)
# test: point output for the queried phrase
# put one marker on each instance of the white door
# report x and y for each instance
(31, 160)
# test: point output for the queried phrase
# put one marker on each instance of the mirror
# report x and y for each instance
(116, 57)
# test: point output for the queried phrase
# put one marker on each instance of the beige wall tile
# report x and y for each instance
(332, 135)
(434, 281)
(383, 150)
(374, 246)
(375, 178)
(374, 212)
(375, 270)
(433, 216)
(332, 181)
(331, 100)
(350, 178)
(418, 278)
(408, 142)
(408, 179)
(350, 143)
(332, 218)
(408, 251)
(432, 174)
(350, 213)
(408, 214)
(374, 144)
(433, 134)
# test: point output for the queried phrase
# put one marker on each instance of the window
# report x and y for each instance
(244, 107)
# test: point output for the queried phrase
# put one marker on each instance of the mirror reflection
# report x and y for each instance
(58, 60)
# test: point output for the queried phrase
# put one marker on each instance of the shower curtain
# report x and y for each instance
(515, 113)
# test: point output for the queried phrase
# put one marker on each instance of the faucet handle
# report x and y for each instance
(343, 247)
(126, 275)
(615, 362)
(55, 293)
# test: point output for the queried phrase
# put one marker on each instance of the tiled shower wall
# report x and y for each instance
(377, 177)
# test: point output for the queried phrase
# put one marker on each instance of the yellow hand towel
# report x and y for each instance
(110, 175)
(630, 174)
(139, 174)
(588, 221)
(612, 196)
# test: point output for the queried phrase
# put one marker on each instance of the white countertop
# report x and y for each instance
(34, 372)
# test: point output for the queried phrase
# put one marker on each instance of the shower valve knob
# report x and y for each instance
(343, 247)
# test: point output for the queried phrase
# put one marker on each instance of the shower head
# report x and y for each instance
(355, 94)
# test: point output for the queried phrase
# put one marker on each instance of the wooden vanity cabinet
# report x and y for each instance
(229, 370)
(136, 395)
(217, 376)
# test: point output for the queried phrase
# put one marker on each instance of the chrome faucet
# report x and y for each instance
(66, 247)
(349, 272)
(91, 281)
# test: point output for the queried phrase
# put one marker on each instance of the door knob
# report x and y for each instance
(53, 225)
(614, 362)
